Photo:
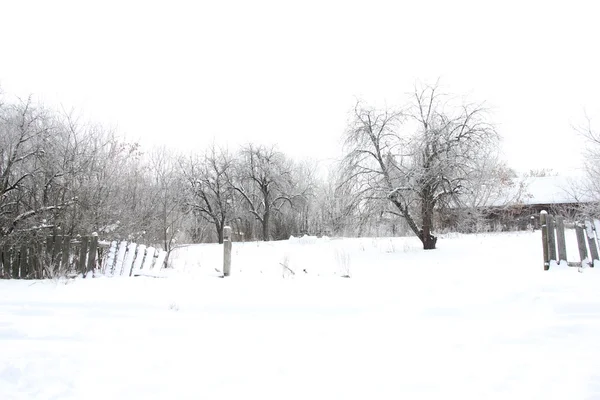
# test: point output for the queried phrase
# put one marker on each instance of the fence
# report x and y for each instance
(554, 242)
(130, 259)
(65, 256)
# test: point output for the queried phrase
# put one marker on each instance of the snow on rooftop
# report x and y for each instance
(544, 190)
(551, 190)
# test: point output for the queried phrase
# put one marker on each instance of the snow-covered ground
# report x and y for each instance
(476, 319)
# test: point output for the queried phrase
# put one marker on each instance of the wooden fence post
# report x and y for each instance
(91, 265)
(551, 238)
(581, 243)
(560, 239)
(544, 226)
(109, 265)
(226, 251)
(129, 259)
(591, 236)
(120, 258)
(139, 260)
(82, 256)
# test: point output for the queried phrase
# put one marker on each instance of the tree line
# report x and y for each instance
(430, 164)
(59, 175)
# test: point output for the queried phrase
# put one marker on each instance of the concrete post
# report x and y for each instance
(226, 251)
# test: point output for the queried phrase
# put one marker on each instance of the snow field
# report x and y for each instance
(476, 319)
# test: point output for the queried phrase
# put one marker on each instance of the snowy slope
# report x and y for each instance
(476, 319)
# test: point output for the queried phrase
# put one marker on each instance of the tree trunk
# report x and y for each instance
(265, 225)
(428, 241)
(219, 228)
(425, 235)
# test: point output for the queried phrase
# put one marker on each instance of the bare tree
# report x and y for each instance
(338, 210)
(588, 191)
(210, 194)
(300, 217)
(591, 154)
(418, 158)
(27, 133)
(166, 191)
(264, 181)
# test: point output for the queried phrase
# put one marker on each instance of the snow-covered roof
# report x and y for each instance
(548, 190)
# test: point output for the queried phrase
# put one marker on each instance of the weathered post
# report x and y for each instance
(581, 244)
(591, 236)
(543, 217)
(226, 251)
(560, 239)
(551, 239)
(82, 256)
(92, 254)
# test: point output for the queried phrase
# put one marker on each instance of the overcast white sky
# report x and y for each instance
(184, 73)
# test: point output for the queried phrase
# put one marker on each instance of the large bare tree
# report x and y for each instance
(265, 182)
(210, 194)
(417, 158)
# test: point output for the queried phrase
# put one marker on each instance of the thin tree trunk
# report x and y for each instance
(265, 225)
